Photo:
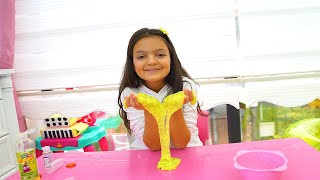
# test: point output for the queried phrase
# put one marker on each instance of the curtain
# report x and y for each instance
(7, 42)
(7, 33)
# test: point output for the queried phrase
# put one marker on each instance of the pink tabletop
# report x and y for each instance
(207, 162)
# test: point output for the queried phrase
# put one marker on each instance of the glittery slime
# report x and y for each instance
(162, 113)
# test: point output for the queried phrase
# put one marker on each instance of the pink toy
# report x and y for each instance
(91, 118)
(260, 164)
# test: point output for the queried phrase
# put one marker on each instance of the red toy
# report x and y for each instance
(91, 118)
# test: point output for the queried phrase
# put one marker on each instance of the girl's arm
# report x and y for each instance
(179, 132)
(151, 134)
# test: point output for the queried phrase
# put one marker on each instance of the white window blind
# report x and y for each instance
(68, 43)
(61, 42)
(279, 36)
(77, 43)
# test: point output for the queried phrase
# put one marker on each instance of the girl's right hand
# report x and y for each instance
(131, 101)
(189, 97)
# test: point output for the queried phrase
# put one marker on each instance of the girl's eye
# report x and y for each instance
(140, 57)
(161, 55)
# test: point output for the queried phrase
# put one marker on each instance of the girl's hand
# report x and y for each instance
(188, 96)
(131, 101)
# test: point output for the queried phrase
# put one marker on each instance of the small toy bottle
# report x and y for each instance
(47, 158)
(50, 165)
(26, 156)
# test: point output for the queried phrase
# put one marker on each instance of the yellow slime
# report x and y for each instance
(162, 113)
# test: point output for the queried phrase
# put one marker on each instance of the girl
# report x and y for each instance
(153, 67)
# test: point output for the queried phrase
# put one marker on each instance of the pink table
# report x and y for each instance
(208, 162)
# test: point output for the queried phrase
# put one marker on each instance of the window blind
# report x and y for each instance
(66, 43)
(279, 36)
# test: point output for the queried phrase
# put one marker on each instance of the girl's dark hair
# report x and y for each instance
(132, 80)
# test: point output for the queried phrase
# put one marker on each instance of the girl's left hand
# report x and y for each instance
(131, 101)
(188, 96)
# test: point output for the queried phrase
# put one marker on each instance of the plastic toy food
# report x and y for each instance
(71, 165)
(59, 126)
(91, 118)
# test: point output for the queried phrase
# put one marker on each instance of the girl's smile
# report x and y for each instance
(152, 70)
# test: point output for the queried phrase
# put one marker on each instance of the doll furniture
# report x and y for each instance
(84, 141)
(95, 133)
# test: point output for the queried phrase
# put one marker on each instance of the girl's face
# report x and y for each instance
(151, 60)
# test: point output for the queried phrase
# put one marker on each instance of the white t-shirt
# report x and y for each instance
(136, 117)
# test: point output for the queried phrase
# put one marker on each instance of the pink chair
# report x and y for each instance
(203, 127)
